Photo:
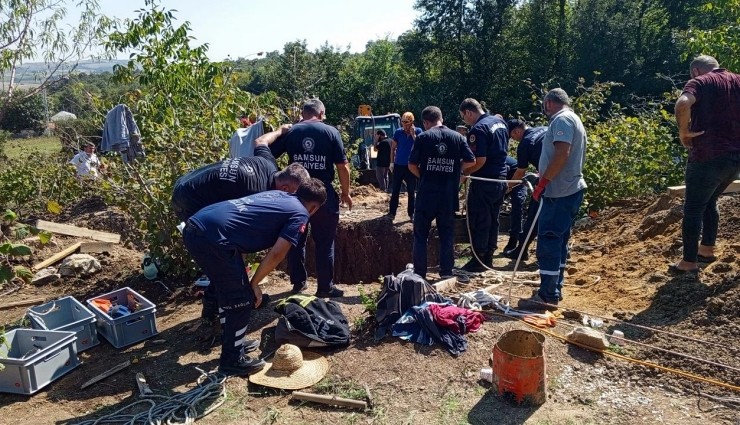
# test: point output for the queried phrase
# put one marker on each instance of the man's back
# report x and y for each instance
(565, 126)
(489, 138)
(716, 113)
(384, 153)
(228, 179)
(315, 145)
(530, 148)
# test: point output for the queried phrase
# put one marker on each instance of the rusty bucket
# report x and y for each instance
(519, 366)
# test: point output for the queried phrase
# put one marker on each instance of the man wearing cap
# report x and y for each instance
(488, 138)
(403, 141)
(527, 153)
(382, 145)
(217, 236)
(319, 148)
(230, 179)
(708, 118)
(436, 159)
(560, 190)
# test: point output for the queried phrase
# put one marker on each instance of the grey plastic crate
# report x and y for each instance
(66, 314)
(33, 358)
(122, 331)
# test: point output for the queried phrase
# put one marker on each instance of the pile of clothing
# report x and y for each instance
(414, 311)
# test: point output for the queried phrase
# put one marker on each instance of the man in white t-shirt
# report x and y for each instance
(87, 163)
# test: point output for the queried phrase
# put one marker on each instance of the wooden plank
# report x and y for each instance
(22, 303)
(115, 369)
(95, 247)
(329, 399)
(66, 229)
(446, 284)
(58, 256)
(676, 191)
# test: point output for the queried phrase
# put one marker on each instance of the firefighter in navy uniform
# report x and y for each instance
(437, 157)
(489, 140)
(319, 148)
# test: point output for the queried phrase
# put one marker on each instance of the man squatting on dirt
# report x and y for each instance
(231, 179)
(560, 191)
(708, 118)
(218, 235)
(319, 148)
(436, 160)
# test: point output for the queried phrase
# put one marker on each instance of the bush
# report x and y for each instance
(24, 114)
(74, 133)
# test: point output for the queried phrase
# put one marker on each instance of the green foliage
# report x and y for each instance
(24, 114)
(74, 133)
(11, 252)
(369, 300)
(719, 36)
(186, 112)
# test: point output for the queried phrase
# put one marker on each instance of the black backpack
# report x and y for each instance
(399, 294)
(308, 321)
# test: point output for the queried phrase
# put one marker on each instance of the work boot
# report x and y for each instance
(334, 292)
(250, 345)
(488, 260)
(536, 303)
(244, 366)
(514, 253)
(513, 241)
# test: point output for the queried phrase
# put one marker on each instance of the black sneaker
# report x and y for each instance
(250, 345)
(332, 293)
(297, 290)
(245, 366)
(536, 303)
(511, 244)
(514, 254)
(474, 266)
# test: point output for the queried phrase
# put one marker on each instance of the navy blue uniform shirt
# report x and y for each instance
(255, 222)
(530, 148)
(489, 138)
(316, 146)
(228, 179)
(438, 152)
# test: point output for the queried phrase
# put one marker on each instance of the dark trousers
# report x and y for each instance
(518, 196)
(705, 182)
(401, 174)
(556, 220)
(531, 213)
(484, 205)
(446, 231)
(225, 269)
(323, 225)
(381, 173)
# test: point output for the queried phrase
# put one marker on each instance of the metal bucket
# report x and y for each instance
(519, 366)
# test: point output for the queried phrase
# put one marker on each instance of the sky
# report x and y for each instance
(241, 28)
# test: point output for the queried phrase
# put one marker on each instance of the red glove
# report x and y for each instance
(537, 193)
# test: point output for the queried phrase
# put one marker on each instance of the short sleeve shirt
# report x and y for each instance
(316, 146)
(404, 144)
(489, 138)
(716, 113)
(565, 126)
(530, 148)
(384, 153)
(255, 222)
(229, 179)
(438, 153)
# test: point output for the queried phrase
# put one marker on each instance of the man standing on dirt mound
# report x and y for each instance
(437, 158)
(708, 118)
(403, 141)
(560, 193)
(231, 179)
(219, 234)
(488, 138)
(319, 148)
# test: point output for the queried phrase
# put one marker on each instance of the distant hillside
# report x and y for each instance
(30, 73)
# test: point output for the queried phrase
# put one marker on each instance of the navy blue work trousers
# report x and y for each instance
(224, 267)
(445, 229)
(484, 205)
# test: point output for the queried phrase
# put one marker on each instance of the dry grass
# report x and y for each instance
(18, 148)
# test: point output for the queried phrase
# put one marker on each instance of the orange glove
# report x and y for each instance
(537, 193)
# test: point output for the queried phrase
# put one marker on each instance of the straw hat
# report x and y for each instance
(291, 370)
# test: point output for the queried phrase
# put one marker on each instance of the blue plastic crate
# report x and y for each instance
(32, 359)
(131, 328)
(66, 314)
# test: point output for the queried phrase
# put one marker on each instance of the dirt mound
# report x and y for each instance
(94, 213)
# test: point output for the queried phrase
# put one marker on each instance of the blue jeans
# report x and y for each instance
(323, 226)
(401, 174)
(224, 267)
(705, 182)
(446, 231)
(484, 204)
(555, 222)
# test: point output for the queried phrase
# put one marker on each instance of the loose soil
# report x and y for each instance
(617, 271)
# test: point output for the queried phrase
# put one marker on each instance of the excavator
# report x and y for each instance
(365, 126)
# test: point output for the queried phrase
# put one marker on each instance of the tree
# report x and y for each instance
(718, 33)
(25, 114)
(31, 29)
